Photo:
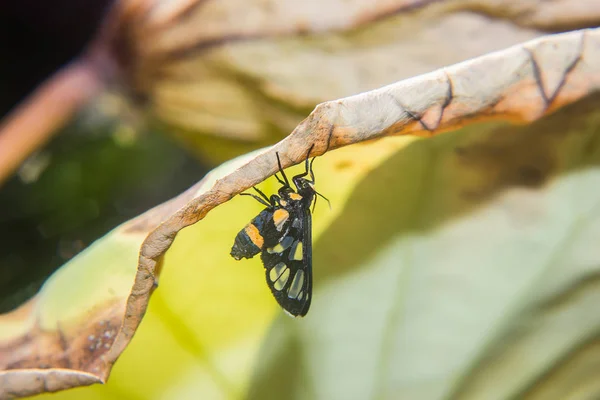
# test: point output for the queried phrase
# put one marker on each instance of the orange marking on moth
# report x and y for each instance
(254, 235)
(279, 217)
(295, 196)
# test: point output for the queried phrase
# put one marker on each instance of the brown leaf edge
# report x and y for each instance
(520, 84)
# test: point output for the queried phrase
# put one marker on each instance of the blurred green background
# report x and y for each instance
(92, 176)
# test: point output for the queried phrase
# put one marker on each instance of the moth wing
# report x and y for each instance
(288, 265)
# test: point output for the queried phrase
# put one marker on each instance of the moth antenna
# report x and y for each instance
(325, 198)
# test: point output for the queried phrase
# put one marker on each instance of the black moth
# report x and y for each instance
(282, 234)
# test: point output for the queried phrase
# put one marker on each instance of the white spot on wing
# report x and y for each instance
(276, 271)
(281, 246)
(296, 252)
(282, 280)
(296, 286)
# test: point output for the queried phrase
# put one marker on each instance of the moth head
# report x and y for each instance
(303, 184)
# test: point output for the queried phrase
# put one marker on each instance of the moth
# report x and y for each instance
(282, 233)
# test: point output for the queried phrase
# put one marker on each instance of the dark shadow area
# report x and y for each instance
(38, 38)
(89, 182)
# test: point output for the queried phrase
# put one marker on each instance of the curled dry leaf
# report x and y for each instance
(250, 71)
(86, 314)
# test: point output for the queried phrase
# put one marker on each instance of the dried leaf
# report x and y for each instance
(250, 72)
(231, 76)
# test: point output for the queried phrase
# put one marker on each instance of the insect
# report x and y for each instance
(282, 234)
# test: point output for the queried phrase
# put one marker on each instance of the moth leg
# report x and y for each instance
(285, 182)
(260, 200)
(307, 168)
(280, 180)
(312, 174)
(264, 196)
